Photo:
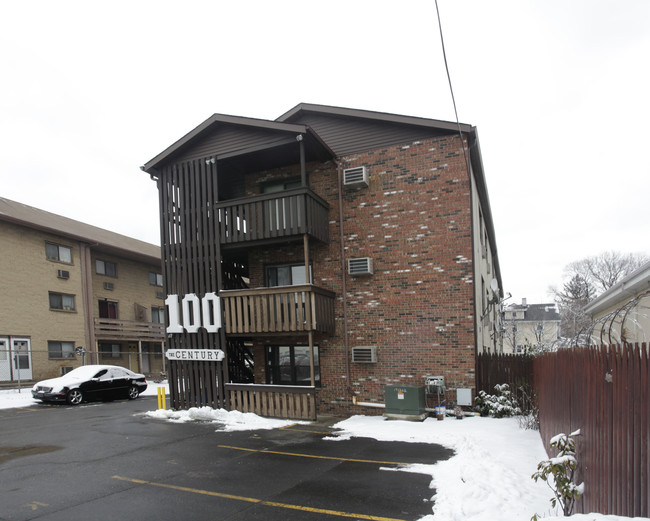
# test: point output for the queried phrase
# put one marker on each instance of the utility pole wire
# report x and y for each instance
(451, 90)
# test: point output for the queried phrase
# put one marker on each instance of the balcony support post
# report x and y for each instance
(312, 372)
(303, 167)
(140, 356)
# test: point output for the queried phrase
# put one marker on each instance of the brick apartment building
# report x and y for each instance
(66, 285)
(348, 249)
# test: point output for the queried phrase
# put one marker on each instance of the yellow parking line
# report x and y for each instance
(292, 428)
(258, 501)
(314, 456)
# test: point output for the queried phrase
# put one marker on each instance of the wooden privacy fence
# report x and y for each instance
(514, 370)
(603, 391)
(279, 401)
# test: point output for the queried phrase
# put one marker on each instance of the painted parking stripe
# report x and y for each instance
(257, 501)
(298, 429)
(264, 451)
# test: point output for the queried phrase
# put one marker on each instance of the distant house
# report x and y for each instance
(347, 250)
(622, 313)
(67, 285)
(526, 325)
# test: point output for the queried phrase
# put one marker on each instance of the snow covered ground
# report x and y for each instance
(488, 479)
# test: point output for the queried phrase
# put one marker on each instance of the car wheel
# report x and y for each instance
(134, 392)
(75, 397)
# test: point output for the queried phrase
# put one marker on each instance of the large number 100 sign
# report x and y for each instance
(205, 312)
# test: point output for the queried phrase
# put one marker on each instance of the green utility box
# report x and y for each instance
(405, 402)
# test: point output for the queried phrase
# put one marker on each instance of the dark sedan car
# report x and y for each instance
(91, 382)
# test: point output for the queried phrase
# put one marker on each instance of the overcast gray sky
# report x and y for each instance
(558, 89)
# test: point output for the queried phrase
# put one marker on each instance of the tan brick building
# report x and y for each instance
(68, 285)
(350, 250)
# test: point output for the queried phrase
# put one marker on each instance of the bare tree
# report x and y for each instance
(605, 270)
(588, 278)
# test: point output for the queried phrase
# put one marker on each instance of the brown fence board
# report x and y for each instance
(604, 392)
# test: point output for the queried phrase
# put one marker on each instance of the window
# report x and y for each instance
(287, 275)
(155, 278)
(107, 309)
(62, 302)
(289, 365)
(56, 349)
(280, 186)
(158, 315)
(109, 350)
(58, 253)
(106, 268)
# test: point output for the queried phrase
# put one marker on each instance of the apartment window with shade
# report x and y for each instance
(106, 268)
(56, 252)
(155, 279)
(56, 349)
(61, 302)
(158, 315)
(287, 275)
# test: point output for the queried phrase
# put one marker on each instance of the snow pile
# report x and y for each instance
(488, 479)
(227, 420)
(10, 398)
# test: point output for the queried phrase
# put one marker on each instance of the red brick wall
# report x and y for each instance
(414, 221)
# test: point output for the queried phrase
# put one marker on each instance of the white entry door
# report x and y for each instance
(22, 359)
(5, 360)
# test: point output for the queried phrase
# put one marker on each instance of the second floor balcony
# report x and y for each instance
(264, 218)
(128, 330)
(284, 309)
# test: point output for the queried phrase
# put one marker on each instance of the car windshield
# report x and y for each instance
(85, 372)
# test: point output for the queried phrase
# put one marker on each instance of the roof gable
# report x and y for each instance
(349, 131)
(225, 137)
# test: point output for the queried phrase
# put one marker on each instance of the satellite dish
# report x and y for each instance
(494, 285)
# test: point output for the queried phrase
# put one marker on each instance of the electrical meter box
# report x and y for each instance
(405, 402)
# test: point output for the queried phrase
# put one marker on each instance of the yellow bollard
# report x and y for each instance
(161, 398)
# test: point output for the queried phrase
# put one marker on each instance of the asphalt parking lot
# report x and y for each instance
(107, 461)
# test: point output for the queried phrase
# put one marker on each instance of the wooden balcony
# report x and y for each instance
(265, 218)
(285, 309)
(123, 330)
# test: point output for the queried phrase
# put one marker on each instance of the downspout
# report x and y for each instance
(344, 289)
(477, 314)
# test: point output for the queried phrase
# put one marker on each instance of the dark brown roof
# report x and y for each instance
(246, 144)
(98, 238)
(251, 141)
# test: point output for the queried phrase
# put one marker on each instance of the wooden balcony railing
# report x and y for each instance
(291, 213)
(277, 401)
(285, 309)
(114, 329)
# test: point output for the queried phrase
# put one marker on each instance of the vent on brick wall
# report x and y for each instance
(360, 266)
(364, 355)
(355, 176)
(66, 369)
(109, 286)
(63, 274)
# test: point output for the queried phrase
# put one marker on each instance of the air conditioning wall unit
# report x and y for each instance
(360, 266)
(63, 274)
(364, 355)
(109, 286)
(357, 176)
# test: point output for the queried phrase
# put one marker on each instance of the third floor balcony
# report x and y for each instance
(265, 218)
